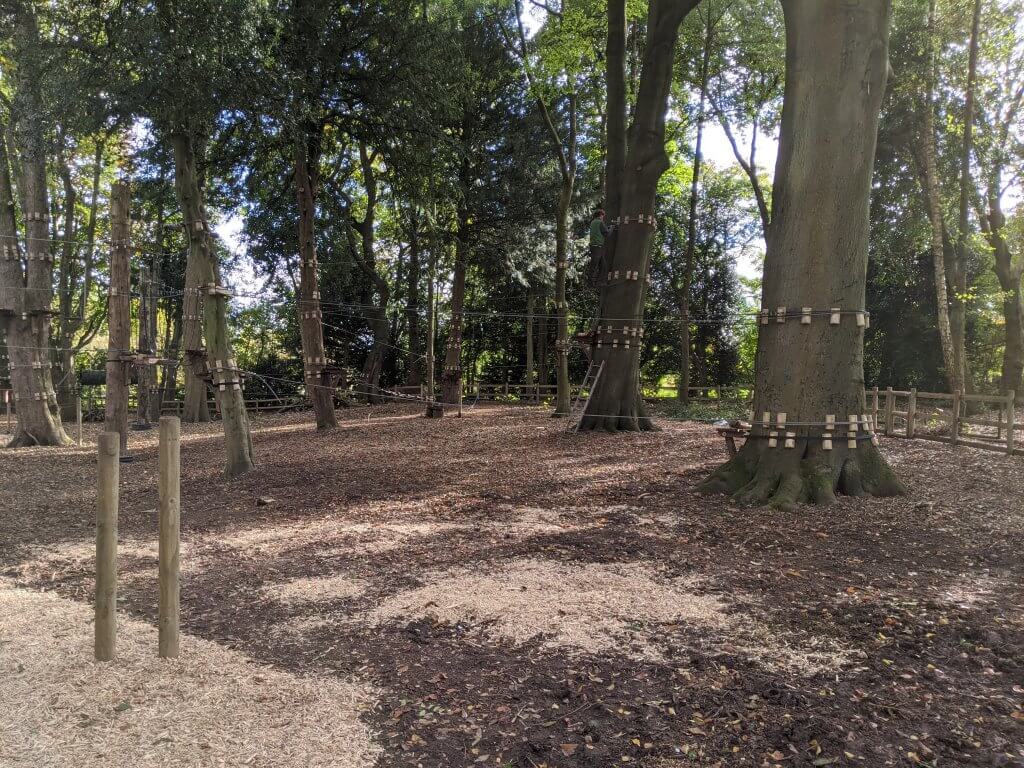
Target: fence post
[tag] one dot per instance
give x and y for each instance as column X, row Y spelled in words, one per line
column 890, row 405
column 106, row 545
column 8, row 394
column 118, row 314
column 78, row 416
column 874, row 407
column 912, row 413
column 1010, row 416
column 955, row 421
column 170, row 518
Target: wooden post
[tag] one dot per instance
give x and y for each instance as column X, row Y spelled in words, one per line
column 1010, row 416
column 874, row 407
column 118, row 316
column 107, row 487
column 912, row 413
column 890, row 406
column 170, row 516
column 955, row 420
column 7, row 403
column 78, row 415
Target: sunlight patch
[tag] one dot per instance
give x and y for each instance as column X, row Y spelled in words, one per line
column 213, row 706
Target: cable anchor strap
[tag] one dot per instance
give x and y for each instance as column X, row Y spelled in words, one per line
column 806, row 315
column 639, row 218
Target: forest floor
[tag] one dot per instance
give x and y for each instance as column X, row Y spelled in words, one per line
column 493, row 590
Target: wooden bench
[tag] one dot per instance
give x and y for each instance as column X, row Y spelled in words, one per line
column 735, row 429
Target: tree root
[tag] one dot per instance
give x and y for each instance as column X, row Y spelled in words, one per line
column 25, row 439
column 783, row 478
column 634, row 419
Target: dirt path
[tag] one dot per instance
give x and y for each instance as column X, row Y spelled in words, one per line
column 517, row 596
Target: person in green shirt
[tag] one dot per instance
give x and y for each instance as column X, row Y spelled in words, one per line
column 598, row 233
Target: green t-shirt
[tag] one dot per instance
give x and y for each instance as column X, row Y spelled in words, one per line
column 597, row 230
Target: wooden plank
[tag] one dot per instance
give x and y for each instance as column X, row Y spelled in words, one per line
column 107, row 492
column 955, row 418
column 1010, row 426
column 994, row 399
column 169, row 486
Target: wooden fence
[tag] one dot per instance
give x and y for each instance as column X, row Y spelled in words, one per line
column 978, row 421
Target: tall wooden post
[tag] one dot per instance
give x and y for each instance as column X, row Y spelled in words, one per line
column 107, row 487
column 118, row 316
column 1010, row 425
column 955, row 421
column 78, row 415
column 8, row 394
column 146, row 373
column 912, row 413
column 874, row 407
column 890, row 406
column 170, row 516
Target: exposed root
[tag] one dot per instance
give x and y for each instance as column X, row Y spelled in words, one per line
column 782, row 478
column 632, row 418
column 25, row 439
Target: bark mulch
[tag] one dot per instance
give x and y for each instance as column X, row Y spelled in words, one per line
column 873, row 632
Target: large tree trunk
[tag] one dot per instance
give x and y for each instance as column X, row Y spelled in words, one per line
column 1009, row 272
column 414, row 363
column 220, row 366
column 25, row 296
column 170, row 376
column 195, row 406
column 311, row 329
column 451, row 375
column 615, row 115
column 836, row 62
column 616, row 403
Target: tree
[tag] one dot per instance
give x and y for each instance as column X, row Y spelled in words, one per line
column 26, row 287
column 616, row 403
column 686, row 279
column 836, row 70
column 184, row 51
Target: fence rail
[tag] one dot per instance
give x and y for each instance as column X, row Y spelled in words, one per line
column 956, row 418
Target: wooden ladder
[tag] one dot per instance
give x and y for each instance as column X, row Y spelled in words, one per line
column 577, row 409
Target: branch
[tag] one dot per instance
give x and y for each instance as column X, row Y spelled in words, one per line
column 748, row 166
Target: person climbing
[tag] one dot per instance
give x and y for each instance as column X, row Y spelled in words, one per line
column 598, row 233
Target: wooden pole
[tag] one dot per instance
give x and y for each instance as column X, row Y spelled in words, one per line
column 912, row 413
column 890, row 406
column 118, row 316
column 874, row 407
column 106, row 545
column 955, row 419
column 1010, row 416
column 7, row 405
column 78, row 415
column 170, row 517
